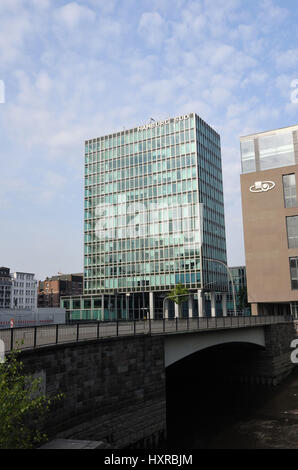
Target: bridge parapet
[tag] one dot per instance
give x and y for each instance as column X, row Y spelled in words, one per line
column 40, row 336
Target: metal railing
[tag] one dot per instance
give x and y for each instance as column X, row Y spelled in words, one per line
column 39, row 336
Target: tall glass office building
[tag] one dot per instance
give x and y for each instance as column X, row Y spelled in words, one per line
column 154, row 218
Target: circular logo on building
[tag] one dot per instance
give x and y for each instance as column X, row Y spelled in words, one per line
column 262, row 186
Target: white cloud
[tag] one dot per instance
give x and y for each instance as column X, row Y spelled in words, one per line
column 72, row 14
column 152, row 28
column 42, row 4
column 287, row 59
column 12, row 36
column 43, row 82
column 270, row 12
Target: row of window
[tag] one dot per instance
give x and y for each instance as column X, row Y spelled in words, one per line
column 135, row 179
column 150, row 281
column 172, row 126
column 290, row 200
column 135, row 135
column 150, row 163
column 21, row 292
column 171, row 253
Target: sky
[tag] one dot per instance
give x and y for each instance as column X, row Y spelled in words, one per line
column 74, row 70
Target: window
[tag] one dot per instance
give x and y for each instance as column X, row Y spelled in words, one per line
column 294, row 309
column 248, row 156
column 289, row 183
column 294, row 272
column 276, row 150
column 292, row 228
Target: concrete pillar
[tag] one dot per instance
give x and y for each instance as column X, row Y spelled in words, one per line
column 254, row 309
column 190, row 306
column 200, row 303
column 166, row 308
column 151, row 305
column 127, row 306
column 224, row 304
column 176, row 311
column 213, row 304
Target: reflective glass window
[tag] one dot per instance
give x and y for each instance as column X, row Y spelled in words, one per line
column 292, row 228
column 294, row 272
column 289, row 184
column 276, row 150
column 248, row 156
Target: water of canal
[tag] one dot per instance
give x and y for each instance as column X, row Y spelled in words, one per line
column 213, row 415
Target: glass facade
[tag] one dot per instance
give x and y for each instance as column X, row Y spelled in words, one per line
column 240, row 285
column 146, row 192
column 267, row 151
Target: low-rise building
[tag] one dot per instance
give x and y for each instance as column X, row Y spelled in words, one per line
column 51, row 289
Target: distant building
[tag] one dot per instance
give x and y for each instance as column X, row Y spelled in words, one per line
column 5, row 288
column 240, row 285
column 51, row 289
column 24, row 290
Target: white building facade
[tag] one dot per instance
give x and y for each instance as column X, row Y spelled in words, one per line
column 24, row 291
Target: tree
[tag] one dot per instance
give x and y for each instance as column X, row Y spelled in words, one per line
column 179, row 295
column 242, row 296
column 22, row 406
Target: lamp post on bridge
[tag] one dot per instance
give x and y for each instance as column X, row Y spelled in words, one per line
column 231, row 278
column 167, row 298
column 208, row 283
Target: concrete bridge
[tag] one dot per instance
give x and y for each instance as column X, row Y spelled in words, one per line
column 113, row 375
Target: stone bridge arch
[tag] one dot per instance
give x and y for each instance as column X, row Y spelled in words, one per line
column 180, row 346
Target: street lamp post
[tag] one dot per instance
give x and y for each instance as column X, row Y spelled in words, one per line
column 127, row 305
column 231, row 278
column 166, row 298
column 182, row 295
